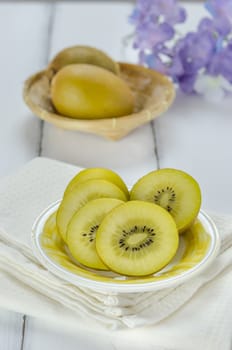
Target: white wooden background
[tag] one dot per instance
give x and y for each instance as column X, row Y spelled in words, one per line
column 194, row 135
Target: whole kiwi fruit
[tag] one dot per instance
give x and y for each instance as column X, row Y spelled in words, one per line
column 85, row 91
column 83, row 54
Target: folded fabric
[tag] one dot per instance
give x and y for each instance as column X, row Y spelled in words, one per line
column 23, row 197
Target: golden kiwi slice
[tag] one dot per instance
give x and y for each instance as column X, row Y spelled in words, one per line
column 82, row 230
column 83, row 54
column 81, row 194
column 172, row 189
column 97, row 173
column 137, row 238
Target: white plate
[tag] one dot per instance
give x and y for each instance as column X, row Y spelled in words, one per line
column 197, row 249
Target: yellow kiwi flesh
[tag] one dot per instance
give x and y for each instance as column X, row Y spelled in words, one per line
column 83, row 54
column 89, row 92
column 137, row 238
column 174, row 190
column 97, row 173
column 81, row 194
column 82, row 230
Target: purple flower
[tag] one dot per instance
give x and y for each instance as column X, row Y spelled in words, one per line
column 191, row 54
column 169, row 10
column 142, row 13
column 154, row 21
column 221, row 63
column 155, row 10
column 187, row 81
column 153, row 61
column 195, row 50
column 175, row 68
column 220, row 9
column 150, row 35
column 207, row 51
column 217, row 26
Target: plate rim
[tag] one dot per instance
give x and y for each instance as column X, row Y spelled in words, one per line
column 85, row 282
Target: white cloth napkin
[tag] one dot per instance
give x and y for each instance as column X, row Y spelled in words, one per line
column 28, row 287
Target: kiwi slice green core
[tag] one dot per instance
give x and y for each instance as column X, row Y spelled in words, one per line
column 172, row 189
column 80, row 195
column 82, row 230
column 137, row 238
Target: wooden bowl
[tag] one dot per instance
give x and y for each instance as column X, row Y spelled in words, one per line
column 154, row 93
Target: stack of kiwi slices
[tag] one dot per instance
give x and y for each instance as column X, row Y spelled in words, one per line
column 133, row 233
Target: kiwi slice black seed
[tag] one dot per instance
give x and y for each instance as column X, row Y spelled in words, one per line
column 137, row 238
column 174, row 190
column 80, row 195
column 82, row 230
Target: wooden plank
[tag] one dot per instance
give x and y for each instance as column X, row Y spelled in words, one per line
column 10, row 330
column 23, row 38
column 132, row 156
column 99, row 24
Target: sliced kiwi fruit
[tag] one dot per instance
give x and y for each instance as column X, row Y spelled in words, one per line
column 97, row 173
column 81, row 194
column 172, row 189
column 83, row 54
column 137, row 238
column 82, row 230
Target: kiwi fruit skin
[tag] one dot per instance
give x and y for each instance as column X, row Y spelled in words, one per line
column 85, row 91
column 83, row 54
column 184, row 191
column 157, row 234
column 97, row 173
column 82, row 229
column 80, row 195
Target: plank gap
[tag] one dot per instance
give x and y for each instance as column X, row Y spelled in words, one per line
column 156, row 149
column 24, row 322
column 51, row 19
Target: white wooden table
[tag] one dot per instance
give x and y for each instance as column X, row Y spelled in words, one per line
column 194, row 135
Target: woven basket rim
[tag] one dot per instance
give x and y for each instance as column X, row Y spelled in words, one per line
column 133, row 120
